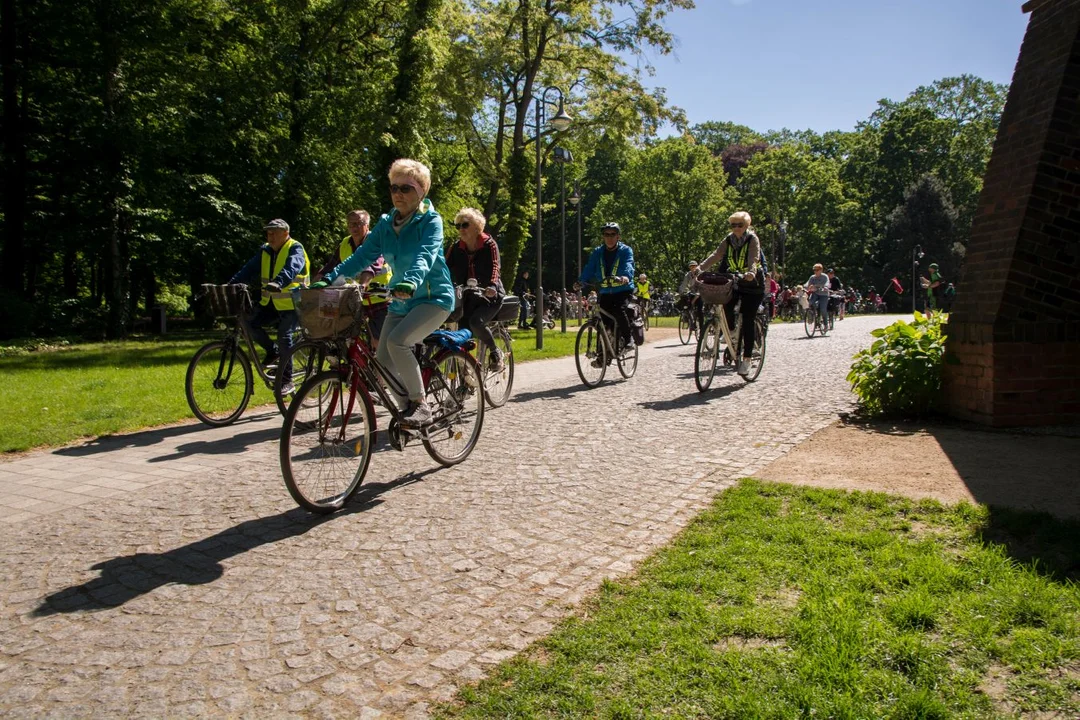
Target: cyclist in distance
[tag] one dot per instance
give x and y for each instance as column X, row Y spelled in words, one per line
column 817, row 287
column 410, row 238
column 836, row 303
column 740, row 254
column 378, row 272
column 280, row 266
column 611, row 266
column 643, row 293
column 475, row 256
column 686, row 290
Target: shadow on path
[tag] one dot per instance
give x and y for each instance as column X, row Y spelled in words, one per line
column 559, row 393
column 129, row 576
column 146, row 438
column 222, row 446
column 691, row 399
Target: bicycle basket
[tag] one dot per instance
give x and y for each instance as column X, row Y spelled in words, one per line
column 509, row 310
column 330, row 312
column 714, row 288
column 226, row 301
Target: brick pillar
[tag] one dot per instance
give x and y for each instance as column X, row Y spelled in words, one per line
column 1015, row 325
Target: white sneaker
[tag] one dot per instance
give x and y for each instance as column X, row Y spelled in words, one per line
column 288, row 389
column 417, row 414
column 744, row 367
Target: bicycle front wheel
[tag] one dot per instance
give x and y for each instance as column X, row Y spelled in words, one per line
column 218, row 383
column 684, row 330
column 497, row 385
column 627, row 360
column 455, row 394
column 326, row 442
column 757, row 359
column 308, row 359
column 708, row 348
column 589, row 355
column 809, row 320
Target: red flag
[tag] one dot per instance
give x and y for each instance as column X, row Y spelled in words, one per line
column 897, row 287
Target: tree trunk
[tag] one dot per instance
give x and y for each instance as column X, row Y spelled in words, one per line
column 14, row 164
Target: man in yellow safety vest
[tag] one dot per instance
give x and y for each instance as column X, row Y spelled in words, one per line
column 281, row 265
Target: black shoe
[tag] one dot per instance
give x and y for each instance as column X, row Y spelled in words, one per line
column 271, row 358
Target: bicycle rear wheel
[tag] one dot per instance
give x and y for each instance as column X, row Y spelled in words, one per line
column 757, row 359
column 308, row 359
column 589, row 354
column 455, row 393
column 218, row 383
column 708, row 349
column 497, row 385
column 627, row 360
column 325, row 445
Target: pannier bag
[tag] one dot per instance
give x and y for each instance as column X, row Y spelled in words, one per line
column 637, row 324
column 714, row 288
column 226, row 301
column 330, row 312
column 509, row 310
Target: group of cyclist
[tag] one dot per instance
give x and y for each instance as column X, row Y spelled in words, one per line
column 404, row 252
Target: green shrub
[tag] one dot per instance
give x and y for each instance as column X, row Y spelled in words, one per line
column 900, row 374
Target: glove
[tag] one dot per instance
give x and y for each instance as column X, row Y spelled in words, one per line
column 404, row 288
column 320, row 284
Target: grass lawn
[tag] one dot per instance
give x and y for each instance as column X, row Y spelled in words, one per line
column 795, row 603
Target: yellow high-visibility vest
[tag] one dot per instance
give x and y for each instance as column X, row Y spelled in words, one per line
column 345, row 249
column 643, row 290
column 279, row 265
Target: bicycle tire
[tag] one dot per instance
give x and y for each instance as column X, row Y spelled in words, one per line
column 685, row 333
column 308, row 359
column 590, row 354
column 457, row 408
column 705, row 356
column 325, row 445
column 218, row 401
column 809, row 322
column 757, row 359
column 497, row 386
column 626, row 367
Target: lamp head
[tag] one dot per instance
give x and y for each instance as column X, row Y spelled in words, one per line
column 562, row 120
column 575, row 198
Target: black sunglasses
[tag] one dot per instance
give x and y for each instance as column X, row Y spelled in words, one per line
column 737, row 224
column 610, row 233
column 461, row 226
column 403, row 189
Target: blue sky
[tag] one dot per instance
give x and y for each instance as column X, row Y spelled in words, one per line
column 824, row 64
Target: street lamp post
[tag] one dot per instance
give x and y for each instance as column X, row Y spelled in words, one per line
column 916, row 256
column 560, row 122
column 563, row 156
column 575, row 200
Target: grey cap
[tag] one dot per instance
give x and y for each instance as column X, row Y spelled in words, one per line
column 276, row 224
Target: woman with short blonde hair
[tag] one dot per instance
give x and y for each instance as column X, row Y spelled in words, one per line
column 414, row 170
column 475, row 256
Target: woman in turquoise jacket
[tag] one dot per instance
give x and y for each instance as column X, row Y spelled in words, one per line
column 410, row 238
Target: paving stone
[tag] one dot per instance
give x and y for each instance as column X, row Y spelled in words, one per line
column 197, row 588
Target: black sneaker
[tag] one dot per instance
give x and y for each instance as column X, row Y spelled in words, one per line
column 270, row 358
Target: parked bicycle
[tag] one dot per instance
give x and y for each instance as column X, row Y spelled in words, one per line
column 219, row 382
column 595, row 348
column 716, row 329
column 687, row 319
column 330, row 427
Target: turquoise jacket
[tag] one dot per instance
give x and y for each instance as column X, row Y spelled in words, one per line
column 596, row 272
column 415, row 255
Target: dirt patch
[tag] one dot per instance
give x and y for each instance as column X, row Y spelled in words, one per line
column 660, row 333
column 946, row 462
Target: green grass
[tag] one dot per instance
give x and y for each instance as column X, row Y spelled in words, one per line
column 796, row 603
column 97, row 389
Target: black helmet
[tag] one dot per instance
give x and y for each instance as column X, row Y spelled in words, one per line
column 611, row 226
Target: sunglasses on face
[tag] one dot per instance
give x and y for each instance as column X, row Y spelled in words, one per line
column 610, row 234
column 461, row 225
column 402, row 189
column 737, row 225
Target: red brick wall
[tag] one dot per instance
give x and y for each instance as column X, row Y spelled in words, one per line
column 1014, row 334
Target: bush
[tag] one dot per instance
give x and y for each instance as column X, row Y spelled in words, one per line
column 900, row 374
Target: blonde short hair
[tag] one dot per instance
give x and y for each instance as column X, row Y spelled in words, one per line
column 742, row 216
column 414, row 170
column 819, row 266
column 472, row 215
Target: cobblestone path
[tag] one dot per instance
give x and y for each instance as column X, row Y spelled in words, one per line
column 205, row 592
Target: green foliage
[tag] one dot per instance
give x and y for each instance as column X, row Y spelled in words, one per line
column 900, row 373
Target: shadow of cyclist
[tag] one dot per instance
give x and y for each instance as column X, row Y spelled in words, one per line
column 127, row 577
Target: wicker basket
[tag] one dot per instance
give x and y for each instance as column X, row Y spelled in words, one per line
column 331, row 312
column 226, row 301
column 714, row 288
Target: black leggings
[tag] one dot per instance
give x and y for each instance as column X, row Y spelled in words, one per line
column 476, row 315
column 750, row 302
column 615, row 303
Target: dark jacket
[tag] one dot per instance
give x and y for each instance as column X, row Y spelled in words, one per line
column 483, row 264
